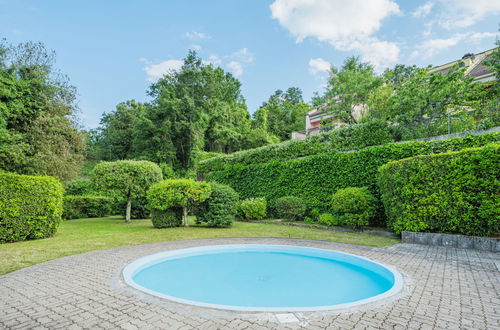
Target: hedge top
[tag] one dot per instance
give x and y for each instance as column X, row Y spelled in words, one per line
column 339, row 140
column 177, row 192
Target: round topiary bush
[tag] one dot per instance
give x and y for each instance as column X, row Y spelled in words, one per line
column 182, row 193
column 354, row 206
column 329, row 219
column 253, row 208
column 168, row 218
column 30, row 206
column 220, row 208
column 291, row 208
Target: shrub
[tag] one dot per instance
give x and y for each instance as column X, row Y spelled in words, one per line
column 354, row 137
column 220, row 208
column 30, row 206
column 80, row 187
column 316, row 178
column 456, row 192
column 315, row 213
column 127, row 180
column 290, row 208
column 86, row 206
column 329, row 219
column 253, row 208
column 310, row 221
column 171, row 217
column 354, row 207
column 181, row 193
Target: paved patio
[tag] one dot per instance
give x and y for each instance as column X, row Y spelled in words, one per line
column 444, row 289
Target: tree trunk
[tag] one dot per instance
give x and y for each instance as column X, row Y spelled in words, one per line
column 129, row 208
column 185, row 215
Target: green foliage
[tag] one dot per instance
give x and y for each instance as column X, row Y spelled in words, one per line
column 354, row 206
column 290, row 208
column 220, row 208
column 177, row 193
column 30, row 206
column 126, row 179
column 86, row 206
column 38, row 134
column 315, row 213
column 329, row 220
column 350, row 87
column 283, row 113
column 316, row 178
column 456, row 192
column 168, row 218
column 353, row 137
column 253, row 208
column 167, row 171
column 79, row 187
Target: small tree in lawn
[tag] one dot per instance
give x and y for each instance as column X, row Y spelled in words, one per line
column 129, row 179
column 178, row 193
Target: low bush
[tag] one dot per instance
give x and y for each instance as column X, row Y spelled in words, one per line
column 455, row 192
column 290, row 208
column 168, row 218
column 30, row 206
column 329, row 219
column 354, row 207
column 253, row 209
column 86, row 206
column 316, row 178
column 220, row 208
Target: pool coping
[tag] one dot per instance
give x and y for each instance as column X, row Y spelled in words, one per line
column 129, row 270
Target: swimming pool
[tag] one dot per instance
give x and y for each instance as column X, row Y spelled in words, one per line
column 263, row 278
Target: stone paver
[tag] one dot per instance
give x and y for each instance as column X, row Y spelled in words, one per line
column 445, row 288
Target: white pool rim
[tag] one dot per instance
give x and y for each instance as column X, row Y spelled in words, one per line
column 137, row 265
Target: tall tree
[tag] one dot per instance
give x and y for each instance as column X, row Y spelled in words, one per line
column 38, row 130
column 349, row 88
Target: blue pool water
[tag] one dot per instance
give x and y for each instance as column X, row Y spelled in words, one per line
column 261, row 277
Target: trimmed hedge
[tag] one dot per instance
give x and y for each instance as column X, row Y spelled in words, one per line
column 30, row 206
column 353, row 137
column 171, row 217
column 455, row 192
column 86, row 206
column 354, row 206
column 291, row 208
column 220, row 208
column 316, row 178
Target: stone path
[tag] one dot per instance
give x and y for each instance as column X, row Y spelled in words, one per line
column 445, row 288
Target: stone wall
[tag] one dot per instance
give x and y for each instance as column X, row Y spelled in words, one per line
column 449, row 240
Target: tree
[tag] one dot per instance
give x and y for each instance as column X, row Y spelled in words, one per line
column 283, row 113
column 350, row 86
column 178, row 193
column 38, row 130
column 128, row 179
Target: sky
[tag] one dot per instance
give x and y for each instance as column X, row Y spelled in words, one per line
column 113, row 50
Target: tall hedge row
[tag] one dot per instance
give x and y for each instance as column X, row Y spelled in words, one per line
column 316, row 178
column 354, row 137
column 30, row 206
column 457, row 192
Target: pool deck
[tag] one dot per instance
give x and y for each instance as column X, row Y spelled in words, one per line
column 444, row 288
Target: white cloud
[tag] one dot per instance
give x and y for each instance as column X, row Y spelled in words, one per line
column 432, row 47
column 197, row 35
column 423, row 10
column 465, row 13
column 156, row 71
column 236, row 68
column 195, row 47
column 346, row 25
column 318, row 65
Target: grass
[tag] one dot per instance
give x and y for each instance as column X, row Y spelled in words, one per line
column 84, row 235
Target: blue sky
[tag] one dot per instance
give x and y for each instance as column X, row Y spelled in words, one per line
column 112, row 50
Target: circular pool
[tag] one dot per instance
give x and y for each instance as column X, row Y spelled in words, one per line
column 263, row 278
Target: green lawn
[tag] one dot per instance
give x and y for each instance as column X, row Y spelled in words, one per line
column 83, row 235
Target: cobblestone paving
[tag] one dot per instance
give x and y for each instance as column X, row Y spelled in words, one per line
column 444, row 289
